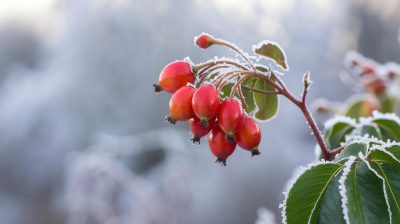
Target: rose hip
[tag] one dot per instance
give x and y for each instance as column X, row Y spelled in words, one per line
column 198, row 130
column 220, row 146
column 249, row 136
column 205, row 103
column 174, row 76
column 180, row 105
column 231, row 117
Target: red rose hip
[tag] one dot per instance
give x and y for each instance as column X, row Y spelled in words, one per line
column 198, row 130
column 180, row 105
column 205, row 103
column 174, row 76
column 230, row 117
column 220, row 146
column 249, row 136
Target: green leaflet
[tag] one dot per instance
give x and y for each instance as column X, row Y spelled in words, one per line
column 336, row 133
column 267, row 104
column 272, row 51
column 248, row 94
column 388, row 168
column 365, row 196
column 308, row 192
column 352, row 149
column 389, row 128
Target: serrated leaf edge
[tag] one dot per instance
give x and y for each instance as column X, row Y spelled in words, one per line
column 384, row 185
column 297, row 174
column 342, row 187
column 340, row 119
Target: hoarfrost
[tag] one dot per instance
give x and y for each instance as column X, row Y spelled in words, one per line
column 390, row 116
column 342, row 187
column 195, row 38
column 383, row 182
column 340, row 119
column 296, row 175
column 266, row 42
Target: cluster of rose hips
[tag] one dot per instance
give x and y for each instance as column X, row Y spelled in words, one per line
column 206, row 111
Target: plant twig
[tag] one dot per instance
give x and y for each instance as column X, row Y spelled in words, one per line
column 237, row 50
column 299, row 103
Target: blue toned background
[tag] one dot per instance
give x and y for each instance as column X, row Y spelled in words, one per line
column 82, row 135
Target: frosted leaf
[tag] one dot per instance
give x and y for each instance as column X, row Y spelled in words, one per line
column 383, row 149
column 383, row 182
column 342, row 187
column 273, row 51
column 340, row 119
column 296, row 175
column 390, row 116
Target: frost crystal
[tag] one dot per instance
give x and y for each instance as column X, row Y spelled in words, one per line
column 383, row 182
column 342, row 187
column 340, row 119
column 390, row 116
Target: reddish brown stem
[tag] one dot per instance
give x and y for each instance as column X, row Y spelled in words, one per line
column 235, row 49
column 301, row 104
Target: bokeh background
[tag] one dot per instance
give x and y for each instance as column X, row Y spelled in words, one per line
column 82, row 135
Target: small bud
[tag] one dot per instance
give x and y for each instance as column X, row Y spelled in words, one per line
column 204, row 40
column 307, row 80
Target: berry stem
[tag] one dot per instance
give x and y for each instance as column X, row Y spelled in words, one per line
column 204, row 75
column 235, row 49
column 259, row 90
column 301, row 104
column 207, row 65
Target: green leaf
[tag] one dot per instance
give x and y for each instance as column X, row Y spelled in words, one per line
column 366, row 201
column 359, row 106
column 371, row 130
column 226, row 90
column 388, row 104
column 248, row 94
column 336, row 134
column 331, row 206
column 272, row 51
column 267, row 104
column 352, row 149
column 261, row 69
column 308, row 192
column 389, row 128
column 395, row 150
column 389, row 169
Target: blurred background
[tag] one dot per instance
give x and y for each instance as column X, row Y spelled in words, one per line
column 82, row 135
